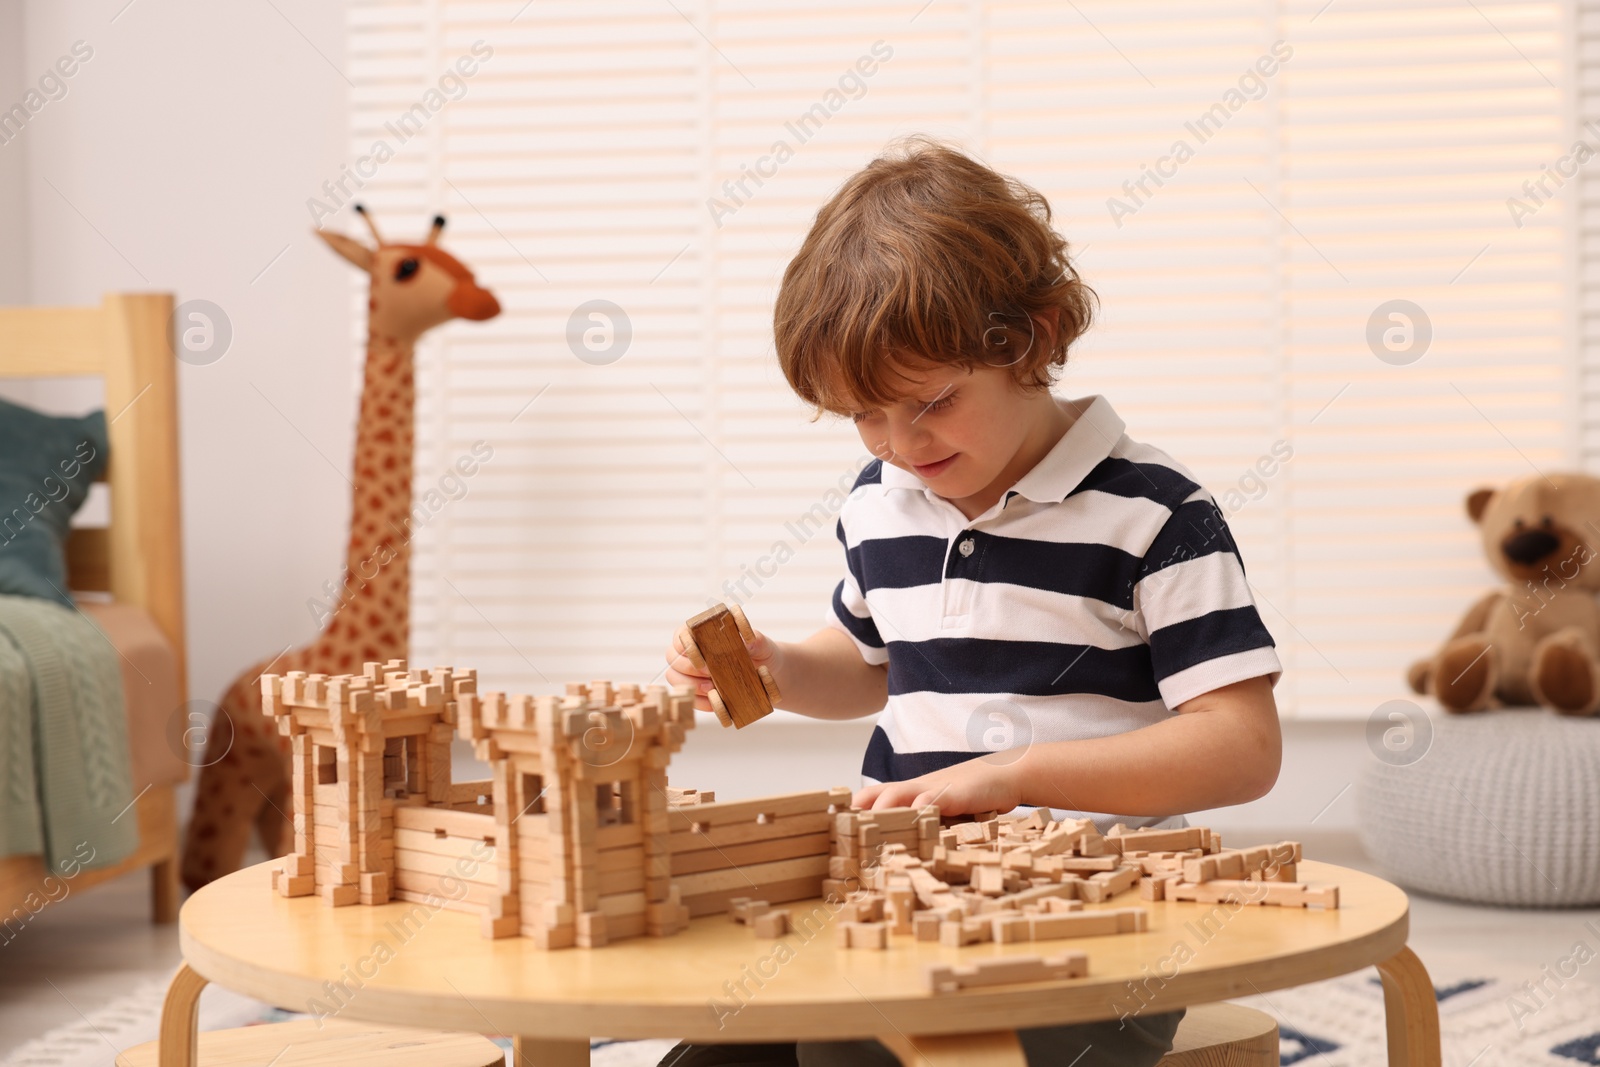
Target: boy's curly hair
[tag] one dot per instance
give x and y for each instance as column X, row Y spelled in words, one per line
column 925, row 255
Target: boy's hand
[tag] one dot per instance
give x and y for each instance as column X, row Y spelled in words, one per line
column 977, row 785
column 685, row 667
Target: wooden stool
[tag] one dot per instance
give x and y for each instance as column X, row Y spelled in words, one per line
column 1224, row 1035
column 301, row 1043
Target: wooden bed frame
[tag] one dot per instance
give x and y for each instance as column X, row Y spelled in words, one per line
column 138, row 557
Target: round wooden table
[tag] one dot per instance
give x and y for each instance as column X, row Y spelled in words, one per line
column 407, row 964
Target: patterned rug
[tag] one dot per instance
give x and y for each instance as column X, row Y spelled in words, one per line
column 1490, row 1017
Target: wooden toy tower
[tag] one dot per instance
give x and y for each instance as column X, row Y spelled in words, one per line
column 580, row 790
column 361, row 746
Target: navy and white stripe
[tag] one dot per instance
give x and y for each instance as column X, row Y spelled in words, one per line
column 1103, row 590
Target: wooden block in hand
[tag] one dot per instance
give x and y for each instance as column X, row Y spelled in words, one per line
column 740, row 694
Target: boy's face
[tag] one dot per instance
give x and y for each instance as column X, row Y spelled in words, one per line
column 958, row 429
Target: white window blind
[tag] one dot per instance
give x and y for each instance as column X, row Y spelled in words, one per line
column 599, row 154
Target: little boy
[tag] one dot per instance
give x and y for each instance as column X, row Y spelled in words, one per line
column 1046, row 612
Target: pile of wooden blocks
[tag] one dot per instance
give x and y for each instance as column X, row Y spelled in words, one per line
column 860, row 838
column 996, row 878
column 362, row 748
column 1016, row 877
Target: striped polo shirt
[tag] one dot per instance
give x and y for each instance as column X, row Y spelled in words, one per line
column 1101, row 591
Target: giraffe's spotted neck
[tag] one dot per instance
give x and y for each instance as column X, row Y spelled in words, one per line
column 371, row 618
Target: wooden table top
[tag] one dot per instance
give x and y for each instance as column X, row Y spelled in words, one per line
column 398, row 963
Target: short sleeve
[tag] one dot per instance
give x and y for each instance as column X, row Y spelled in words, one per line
column 849, row 611
column 1192, row 604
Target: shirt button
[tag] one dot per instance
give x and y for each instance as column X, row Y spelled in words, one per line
column 966, row 547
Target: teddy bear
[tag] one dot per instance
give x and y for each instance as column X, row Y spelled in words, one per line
column 1535, row 640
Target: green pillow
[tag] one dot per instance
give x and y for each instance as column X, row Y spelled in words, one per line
column 47, row 465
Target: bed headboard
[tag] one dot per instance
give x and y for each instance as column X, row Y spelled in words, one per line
column 138, row 557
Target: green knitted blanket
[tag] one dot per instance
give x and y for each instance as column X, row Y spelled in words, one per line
column 65, row 776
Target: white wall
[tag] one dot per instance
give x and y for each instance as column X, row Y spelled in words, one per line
column 180, row 159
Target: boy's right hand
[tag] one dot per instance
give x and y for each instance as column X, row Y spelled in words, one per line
column 685, row 667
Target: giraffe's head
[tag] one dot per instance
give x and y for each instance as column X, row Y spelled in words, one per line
column 413, row 288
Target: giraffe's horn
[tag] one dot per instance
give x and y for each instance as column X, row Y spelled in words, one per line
column 433, row 233
column 373, row 226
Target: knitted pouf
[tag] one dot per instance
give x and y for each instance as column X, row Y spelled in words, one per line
column 1503, row 807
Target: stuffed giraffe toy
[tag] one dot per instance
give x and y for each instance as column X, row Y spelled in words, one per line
column 245, row 785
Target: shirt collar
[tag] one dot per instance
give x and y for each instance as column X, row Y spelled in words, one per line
column 1090, row 439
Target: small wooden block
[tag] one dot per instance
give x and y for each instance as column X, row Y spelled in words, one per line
column 988, row 880
column 298, row 885
column 1006, row 929
column 925, row 926
column 375, row 884
column 1281, row 894
column 773, row 923
column 505, row 926
column 591, row 930
column 868, row 907
column 1089, row 923
column 955, row 933
column 864, row 935
column 746, row 911
column 902, row 906
column 341, row 895
column 1108, row 884
column 944, row 978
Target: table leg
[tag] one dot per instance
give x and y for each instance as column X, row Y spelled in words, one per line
column 997, row 1048
column 545, row 1052
column 1412, row 1011
column 178, row 1043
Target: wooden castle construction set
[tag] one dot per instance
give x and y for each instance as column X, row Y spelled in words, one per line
column 577, row 839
